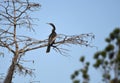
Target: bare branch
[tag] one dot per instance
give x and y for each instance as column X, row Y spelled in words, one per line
column 82, row 39
column 23, row 70
column 2, row 44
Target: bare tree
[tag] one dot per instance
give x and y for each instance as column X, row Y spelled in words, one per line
column 14, row 14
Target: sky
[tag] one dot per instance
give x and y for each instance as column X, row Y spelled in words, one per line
column 71, row 17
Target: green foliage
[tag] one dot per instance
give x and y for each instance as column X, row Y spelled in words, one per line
column 96, row 56
column 83, row 71
column 72, row 76
column 106, row 63
column 85, row 76
column 106, row 76
column 118, row 56
column 76, row 73
column 110, row 55
column 76, row 81
column 82, row 59
column 108, row 60
column 112, row 37
column 98, row 63
column 115, row 34
column 87, row 63
column 115, row 81
column 118, row 42
column 110, row 47
column 103, row 54
column 108, row 40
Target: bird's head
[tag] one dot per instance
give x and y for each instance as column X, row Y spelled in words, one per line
column 52, row 25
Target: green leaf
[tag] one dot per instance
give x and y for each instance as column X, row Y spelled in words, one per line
column 108, row 40
column 112, row 62
column 76, row 81
column 85, row 76
column 103, row 54
column 82, row 59
column 84, row 71
column 99, row 61
column 87, row 63
column 106, row 62
column 76, row 73
column 116, row 31
column 110, row 47
column 111, row 55
column 96, row 55
column 118, row 42
column 72, row 76
column 112, row 36
column 96, row 65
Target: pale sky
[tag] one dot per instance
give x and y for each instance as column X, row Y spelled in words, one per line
column 71, row 17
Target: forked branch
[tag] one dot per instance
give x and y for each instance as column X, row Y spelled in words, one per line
column 82, row 39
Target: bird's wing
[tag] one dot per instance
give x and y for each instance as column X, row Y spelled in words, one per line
column 52, row 38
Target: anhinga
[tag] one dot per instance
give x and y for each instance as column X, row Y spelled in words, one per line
column 52, row 37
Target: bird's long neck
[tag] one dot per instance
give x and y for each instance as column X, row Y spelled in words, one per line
column 53, row 28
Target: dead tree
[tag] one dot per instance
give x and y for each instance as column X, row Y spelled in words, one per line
column 14, row 14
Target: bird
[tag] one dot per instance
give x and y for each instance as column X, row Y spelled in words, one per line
column 52, row 37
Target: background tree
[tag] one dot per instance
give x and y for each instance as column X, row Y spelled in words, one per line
column 14, row 16
column 108, row 60
column 83, row 71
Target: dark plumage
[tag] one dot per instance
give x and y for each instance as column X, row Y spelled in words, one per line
column 52, row 37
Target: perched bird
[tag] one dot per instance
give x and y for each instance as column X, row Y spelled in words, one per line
column 52, row 37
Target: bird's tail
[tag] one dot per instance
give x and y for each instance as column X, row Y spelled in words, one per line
column 48, row 49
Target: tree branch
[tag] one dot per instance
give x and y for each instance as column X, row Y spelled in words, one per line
column 61, row 40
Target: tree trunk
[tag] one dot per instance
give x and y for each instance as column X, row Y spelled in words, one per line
column 11, row 70
column 10, row 73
